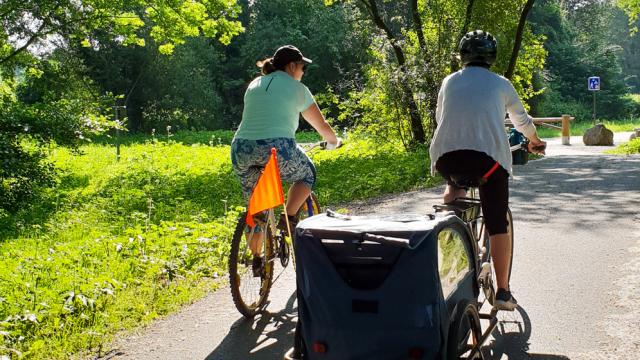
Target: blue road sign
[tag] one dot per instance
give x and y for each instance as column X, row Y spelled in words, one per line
column 594, row 83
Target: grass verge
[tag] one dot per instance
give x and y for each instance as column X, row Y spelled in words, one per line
column 632, row 147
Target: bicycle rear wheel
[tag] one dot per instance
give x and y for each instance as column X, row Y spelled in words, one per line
column 250, row 292
column 490, row 286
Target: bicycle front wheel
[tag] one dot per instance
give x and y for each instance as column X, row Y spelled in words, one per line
column 250, row 284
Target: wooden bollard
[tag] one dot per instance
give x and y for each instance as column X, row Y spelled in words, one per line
column 566, row 136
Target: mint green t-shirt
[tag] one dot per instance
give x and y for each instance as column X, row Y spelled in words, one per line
column 272, row 107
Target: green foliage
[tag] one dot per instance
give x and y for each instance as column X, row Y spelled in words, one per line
column 120, row 243
column 632, row 147
column 380, row 105
column 202, row 85
column 632, row 8
column 41, row 108
column 579, row 47
column 168, row 23
column 71, row 289
column 622, row 33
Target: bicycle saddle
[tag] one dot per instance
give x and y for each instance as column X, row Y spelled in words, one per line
column 467, row 181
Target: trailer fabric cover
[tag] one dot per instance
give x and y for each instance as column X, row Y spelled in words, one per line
column 368, row 287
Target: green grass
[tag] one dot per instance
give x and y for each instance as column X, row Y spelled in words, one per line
column 118, row 244
column 577, row 128
column 632, row 147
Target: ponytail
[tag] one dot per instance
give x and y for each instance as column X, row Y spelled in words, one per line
column 266, row 65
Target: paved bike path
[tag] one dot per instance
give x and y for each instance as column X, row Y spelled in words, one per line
column 576, row 272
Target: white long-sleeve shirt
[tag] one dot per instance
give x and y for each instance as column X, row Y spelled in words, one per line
column 470, row 114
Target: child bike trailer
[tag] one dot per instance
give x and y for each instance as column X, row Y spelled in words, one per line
column 382, row 287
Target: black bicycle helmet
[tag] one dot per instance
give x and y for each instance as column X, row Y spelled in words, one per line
column 478, row 47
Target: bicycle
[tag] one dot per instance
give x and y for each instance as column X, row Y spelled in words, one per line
column 250, row 293
column 469, row 210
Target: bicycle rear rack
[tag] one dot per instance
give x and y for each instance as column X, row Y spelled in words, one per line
column 466, row 209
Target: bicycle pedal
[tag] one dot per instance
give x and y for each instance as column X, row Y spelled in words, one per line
column 485, row 269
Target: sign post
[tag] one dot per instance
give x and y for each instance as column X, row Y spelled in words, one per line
column 118, row 123
column 593, row 85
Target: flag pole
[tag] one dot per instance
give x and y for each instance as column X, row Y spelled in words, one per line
column 286, row 219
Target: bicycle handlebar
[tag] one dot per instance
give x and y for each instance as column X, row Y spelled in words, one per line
column 525, row 145
column 321, row 144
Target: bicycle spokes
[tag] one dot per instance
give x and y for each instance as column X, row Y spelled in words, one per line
column 284, row 250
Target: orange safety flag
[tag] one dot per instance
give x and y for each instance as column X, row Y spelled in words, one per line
column 268, row 191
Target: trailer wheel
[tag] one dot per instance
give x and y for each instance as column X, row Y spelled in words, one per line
column 465, row 332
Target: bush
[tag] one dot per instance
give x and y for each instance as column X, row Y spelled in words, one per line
column 633, row 101
column 552, row 103
column 632, row 147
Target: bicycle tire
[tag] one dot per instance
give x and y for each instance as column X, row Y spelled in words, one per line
column 310, row 207
column 249, row 296
column 466, row 325
column 311, row 202
column 490, row 290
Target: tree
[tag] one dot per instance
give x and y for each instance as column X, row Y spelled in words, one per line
column 620, row 32
column 52, row 104
column 518, row 40
column 578, row 47
column 331, row 36
column 380, row 19
column 422, row 38
column 168, row 22
column 632, row 8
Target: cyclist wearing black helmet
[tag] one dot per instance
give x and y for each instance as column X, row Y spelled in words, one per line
column 470, row 140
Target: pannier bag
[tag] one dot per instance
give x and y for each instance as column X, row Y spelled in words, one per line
column 369, row 287
column 520, row 156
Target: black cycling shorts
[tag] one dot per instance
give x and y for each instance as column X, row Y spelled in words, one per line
column 494, row 194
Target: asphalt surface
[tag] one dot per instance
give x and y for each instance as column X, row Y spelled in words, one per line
column 576, row 272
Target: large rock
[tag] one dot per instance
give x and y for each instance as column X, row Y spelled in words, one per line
column 635, row 134
column 598, row 135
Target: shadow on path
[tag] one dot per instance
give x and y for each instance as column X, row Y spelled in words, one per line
column 266, row 337
column 584, row 185
column 511, row 336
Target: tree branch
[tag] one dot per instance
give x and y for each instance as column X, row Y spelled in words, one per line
column 377, row 19
column 34, row 36
column 518, row 40
column 465, row 28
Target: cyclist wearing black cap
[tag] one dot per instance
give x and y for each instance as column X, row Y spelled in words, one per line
column 470, row 139
column 273, row 103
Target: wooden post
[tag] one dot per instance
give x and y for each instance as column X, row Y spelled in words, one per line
column 566, row 136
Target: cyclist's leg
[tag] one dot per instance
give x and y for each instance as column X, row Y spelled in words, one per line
column 500, row 252
column 296, row 168
column 298, row 194
column 248, row 158
column 495, row 197
column 452, row 192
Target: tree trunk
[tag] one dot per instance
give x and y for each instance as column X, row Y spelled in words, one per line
column 518, row 40
column 455, row 65
column 417, row 129
column 417, row 24
column 431, row 95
